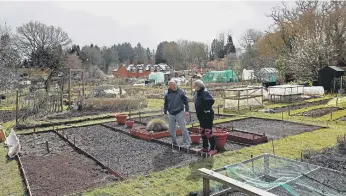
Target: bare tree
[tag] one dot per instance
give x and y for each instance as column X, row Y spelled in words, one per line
column 9, row 59
column 35, row 35
column 44, row 46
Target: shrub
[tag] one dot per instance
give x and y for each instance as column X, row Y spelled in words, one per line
column 116, row 104
column 157, row 125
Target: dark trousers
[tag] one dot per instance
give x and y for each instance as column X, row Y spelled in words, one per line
column 206, row 122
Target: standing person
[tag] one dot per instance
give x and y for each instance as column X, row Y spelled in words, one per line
column 175, row 100
column 204, row 102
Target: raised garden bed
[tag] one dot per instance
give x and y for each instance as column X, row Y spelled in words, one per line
column 145, row 135
column 7, row 115
column 127, row 155
column 246, row 138
column 228, row 146
column 315, row 113
column 190, row 119
column 299, row 106
column 271, row 128
column 63, row 170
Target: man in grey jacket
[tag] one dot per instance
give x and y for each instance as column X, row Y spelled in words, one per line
column 175, row 100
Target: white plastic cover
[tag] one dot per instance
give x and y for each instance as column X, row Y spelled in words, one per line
column 12, row 142
column 295, row 89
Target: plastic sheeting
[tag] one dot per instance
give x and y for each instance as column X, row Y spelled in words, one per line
column 295, row 89
column 12, row 142
column 220, row 76
column 248, row 74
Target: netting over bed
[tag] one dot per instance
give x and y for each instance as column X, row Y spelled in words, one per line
column 287, row 177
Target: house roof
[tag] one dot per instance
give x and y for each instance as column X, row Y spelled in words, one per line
column 336, row 68
column 268, row 70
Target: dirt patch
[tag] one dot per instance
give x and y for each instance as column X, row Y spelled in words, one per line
column 7, row 115
column 329, row 158
column 343, row 118
column 299, row 106
column 271, row 128
column 315, row 113
column 63, row 170
column 74, row 113
column 190, row 119
column 127, row 155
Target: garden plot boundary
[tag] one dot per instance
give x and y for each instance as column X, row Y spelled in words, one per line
column 176, row 147
column 76, row 148
column 270, row 119
column 67, row 122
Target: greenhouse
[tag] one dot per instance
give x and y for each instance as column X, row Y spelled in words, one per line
column 157, row 77
column 267, row 75
column 220, row 76
column 273, row 175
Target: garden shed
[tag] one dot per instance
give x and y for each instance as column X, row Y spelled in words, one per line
column 267, row 75
column 328, row 76
column 220, row 76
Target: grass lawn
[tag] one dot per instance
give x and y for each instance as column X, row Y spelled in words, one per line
column 10, row 180
column 181, row 181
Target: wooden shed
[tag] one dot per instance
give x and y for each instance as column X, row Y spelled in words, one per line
column 328, row 76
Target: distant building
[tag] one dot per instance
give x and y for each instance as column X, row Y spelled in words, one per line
column 139, row 71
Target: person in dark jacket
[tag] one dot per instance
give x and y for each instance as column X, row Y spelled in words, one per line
column 175, row 100
column 204, row 102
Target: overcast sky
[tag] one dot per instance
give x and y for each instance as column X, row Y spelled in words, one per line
column 108, row 23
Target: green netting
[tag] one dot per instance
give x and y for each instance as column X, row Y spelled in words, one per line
column 287, row 177
column 220, row 76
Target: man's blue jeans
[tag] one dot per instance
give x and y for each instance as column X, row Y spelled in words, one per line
column 180, row 119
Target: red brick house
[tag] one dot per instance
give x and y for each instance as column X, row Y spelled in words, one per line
column 139, row 71
column 131, row 71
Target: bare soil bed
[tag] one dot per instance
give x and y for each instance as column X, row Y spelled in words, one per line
column 60, row 172
column 299, row 106
column 329, row 158
column 315, row 113
column 190, row 119
column 271, row 128
column 127, row 155
column 7, row 115
column 74, row 113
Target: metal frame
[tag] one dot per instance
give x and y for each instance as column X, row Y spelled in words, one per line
column 245, row 188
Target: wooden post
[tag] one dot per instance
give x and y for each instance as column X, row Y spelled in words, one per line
column 17, row 109
column 238, row 99
column 83, row 90
column 47, row 146
column 218, row 109
column 206, row 187
column 120, row 91
column 191, row 86
column 273, row 146
column 331, row 116
column 69, row 88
